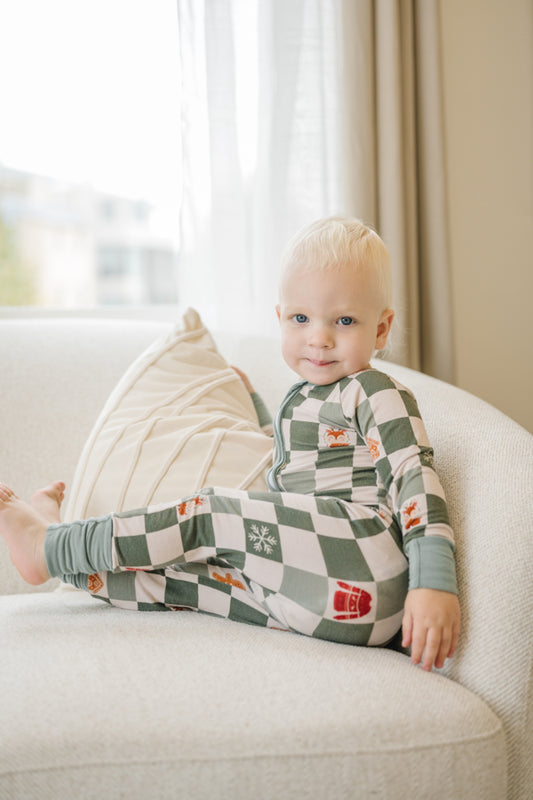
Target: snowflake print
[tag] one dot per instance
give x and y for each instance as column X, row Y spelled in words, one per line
column 263, row 541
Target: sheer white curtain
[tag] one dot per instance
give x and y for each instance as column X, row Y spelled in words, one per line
column 297, row 109
column 263, row 146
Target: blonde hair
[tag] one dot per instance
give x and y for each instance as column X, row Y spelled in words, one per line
column 337, row 242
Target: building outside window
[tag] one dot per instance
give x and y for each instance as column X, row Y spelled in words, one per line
column 89, row 153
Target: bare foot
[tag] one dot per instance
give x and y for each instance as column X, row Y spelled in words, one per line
column 47, row 501
column 24, row 530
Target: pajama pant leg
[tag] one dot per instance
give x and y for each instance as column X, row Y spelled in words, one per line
column 314, row 565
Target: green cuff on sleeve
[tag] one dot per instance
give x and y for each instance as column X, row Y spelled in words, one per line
column 263, row 414
column 431, row 564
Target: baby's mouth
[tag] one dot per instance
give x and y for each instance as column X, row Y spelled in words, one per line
column 318, row 363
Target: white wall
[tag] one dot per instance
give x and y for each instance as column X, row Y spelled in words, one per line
column 488, row 96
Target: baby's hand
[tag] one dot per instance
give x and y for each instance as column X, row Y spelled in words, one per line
column 431, row 625
column 244, row 378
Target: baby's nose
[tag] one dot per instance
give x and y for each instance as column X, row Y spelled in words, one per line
column 320, row 336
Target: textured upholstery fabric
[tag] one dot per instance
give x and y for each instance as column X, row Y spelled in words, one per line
column 185, row 705
column 281, row 716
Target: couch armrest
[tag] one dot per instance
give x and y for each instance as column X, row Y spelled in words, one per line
column 491, row 499
column 485, row 461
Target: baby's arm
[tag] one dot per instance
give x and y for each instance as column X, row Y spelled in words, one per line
column 393, row 430
column 431, row 625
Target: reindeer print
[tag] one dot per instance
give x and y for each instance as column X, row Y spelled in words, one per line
column 337, row 438
column 228, row 580
column 411, row 515
column 373, row 446
column 188, row 506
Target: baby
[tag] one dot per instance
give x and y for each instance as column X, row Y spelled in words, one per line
column 352, row 541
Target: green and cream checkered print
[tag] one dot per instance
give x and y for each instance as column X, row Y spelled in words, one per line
column 321, row 554
column 362, row 440
column 317, row 566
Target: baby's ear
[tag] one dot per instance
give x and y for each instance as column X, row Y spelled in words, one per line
column 278, row 311
column 384, row 326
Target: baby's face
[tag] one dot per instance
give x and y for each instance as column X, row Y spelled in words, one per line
column 331, row 322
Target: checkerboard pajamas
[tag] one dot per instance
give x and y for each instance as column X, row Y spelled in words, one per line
column 322, row 553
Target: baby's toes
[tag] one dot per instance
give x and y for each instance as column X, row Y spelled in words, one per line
column 5, row 492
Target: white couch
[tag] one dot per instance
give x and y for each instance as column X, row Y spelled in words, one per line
column 101, row 702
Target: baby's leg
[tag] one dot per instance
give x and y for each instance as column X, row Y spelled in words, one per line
column 23, row 527
column 219, row 591
column 316, row 565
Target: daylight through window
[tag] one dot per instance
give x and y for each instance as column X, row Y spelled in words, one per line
column 89, row 153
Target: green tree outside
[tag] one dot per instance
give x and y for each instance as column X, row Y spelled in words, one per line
column 18, row 285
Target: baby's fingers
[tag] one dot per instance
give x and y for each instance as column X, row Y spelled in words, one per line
column 440, row 645
column 418, row 643
column 431, row 625
column 407, row 629
column 455, row 638
column 449, row 646
column 430, row 646
column 437, row 650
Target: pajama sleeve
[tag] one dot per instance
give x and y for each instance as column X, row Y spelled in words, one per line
column 388, row 419
column 263, row 414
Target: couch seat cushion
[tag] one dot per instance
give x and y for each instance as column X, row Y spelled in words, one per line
column 100, row 702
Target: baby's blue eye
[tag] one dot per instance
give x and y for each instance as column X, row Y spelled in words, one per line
column 346, row 320
column 300, row 318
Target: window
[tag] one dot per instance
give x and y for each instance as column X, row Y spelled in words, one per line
column 89, row 152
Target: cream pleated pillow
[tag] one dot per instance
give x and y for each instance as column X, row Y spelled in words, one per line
column 179, row 419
